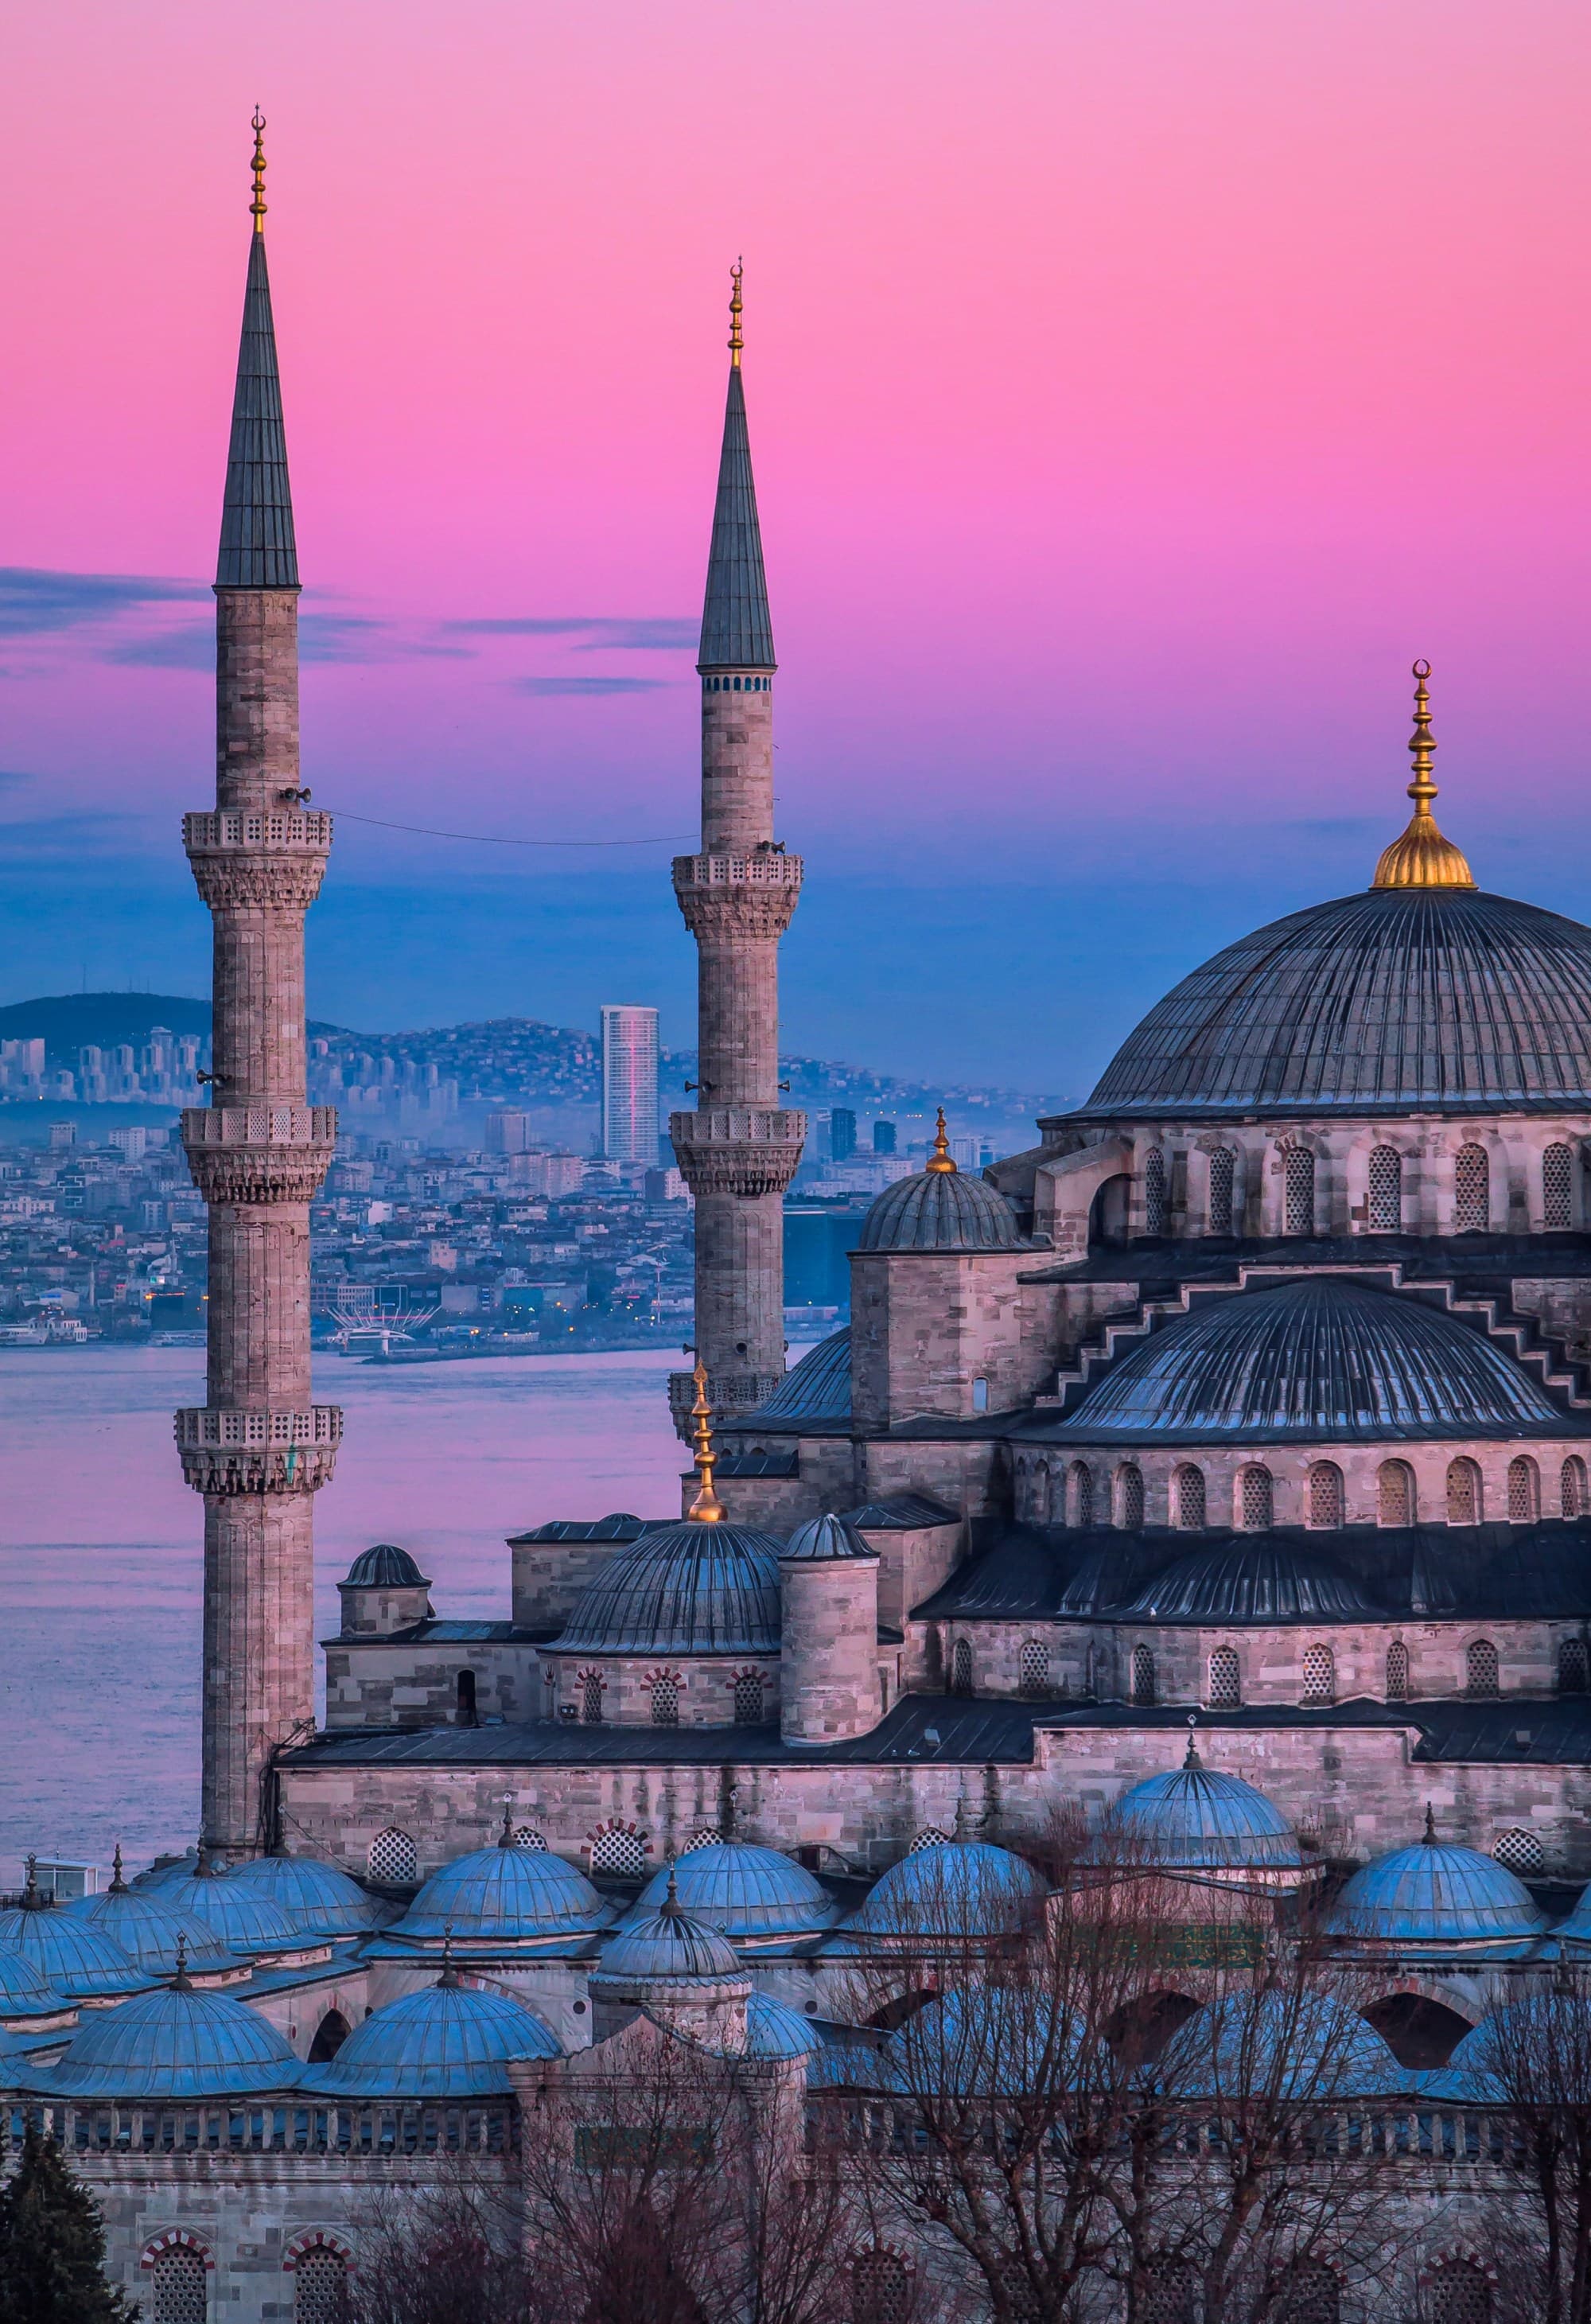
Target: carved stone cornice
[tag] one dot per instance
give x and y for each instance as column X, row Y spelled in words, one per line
column 257, row 1451
column 728, row 896
column 736, row 1150
column 729, row 1394
column 255, row 1154
column 257, row 860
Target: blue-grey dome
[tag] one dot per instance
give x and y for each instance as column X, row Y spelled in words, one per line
column 1196, row 1819
column 78, row 1960
column 384, row 1566
column 694, row 1588
column 243, row 1920
column 1511, row 2051
column 23, row 1992
column 16, row 2068
column 1400, row 1000
column 1294, row 2045
column 447, row 2041
column 317, row 1898
column 1432, row 1894
column 1575, row 1931
column 504, row 1894
column 1254, row 1579
column 144, row 1924
column 775, row 2029
column 821, row 1540
column 745, row 1892
column 939, row 1210
column 981, row 2041
column 954, row 1888
column 173, row 2043
column 817, row 1388
column 667, row 1944
column 1325, row 1358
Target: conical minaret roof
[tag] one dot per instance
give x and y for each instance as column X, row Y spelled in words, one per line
column 258, row 550
column 737, row 633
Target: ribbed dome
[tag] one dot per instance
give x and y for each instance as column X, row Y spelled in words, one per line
column 1294, row 2045
column 245, row 1921
column 1196, row 1819
column 144, row 1924
column 816, row 1388
column 174, row 2043
column 775, row 2029
column 1434, row 1894
column 822, row 1540
column 954, row 1888
column 318, row 1899
column 668, row 1944
column 1324, row 1357
column 70, row 1954
column 23, row 1992
column 982, row 2042
column 384, row 1566
column 505, row 1894
column 1576, row 1929
column 745, row 1892
column 1400, row 998
column 1261, row 1580
column 447, row 2041
column 686, row 1589
column 939, row 1210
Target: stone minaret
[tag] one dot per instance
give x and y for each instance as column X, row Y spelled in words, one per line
column 258, row 1448
column 738, row 1152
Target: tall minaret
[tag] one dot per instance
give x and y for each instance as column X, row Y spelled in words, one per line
column 258, row 1448
column 738, row 1152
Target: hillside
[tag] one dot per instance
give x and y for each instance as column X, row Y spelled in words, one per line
column 70, row 1021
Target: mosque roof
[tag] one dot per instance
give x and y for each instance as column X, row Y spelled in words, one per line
column 447, row 2041
column 775, row 2029
column 78, row 1960
column 175, row 2043
column 695, row 1587
column 317, row 1898
column 1296, row 2044
column 823, row 1541
column 619, row 1527
column 142, row 1922
column 23, row 1991
column 506, row 1893
column 1325, row 1358
column 1250, row 1577
column 667, row 1943
column 384, row 1566
column 1195, row 1817
column 1575, row 1931
column 258, row 550
column 736, row 631
column 951, row 1889
column 815, row 1390
column 940, row 1208
column 1435, row 1894
column 743, row 1891
column 980, row 2042
column 244, row 1919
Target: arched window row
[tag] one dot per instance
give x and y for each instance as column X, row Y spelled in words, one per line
column 1085, row 1496
column 737, row 686
column 619, row 1849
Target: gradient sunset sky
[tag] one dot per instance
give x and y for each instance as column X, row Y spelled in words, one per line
column 1134, row 390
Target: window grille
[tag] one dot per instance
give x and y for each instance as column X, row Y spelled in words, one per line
column 1129, row 1495
column 1472, row 1191
column 320, row 2288
column 1325, row 1493
column 1464, row 1493
column 1459, row 2294
column 1524, row 1492
column 1034, row 1666
column 1255, row 1500
column 620, row 1852
column 928, row 1836
column 1572, row 1486
column 1079, row 1494
column 1319, row 1676
column 1557, row 1181
column 1480, row 1668
column 1226, row 1684
column 1311, row 2293
column 526, row 1836
column 180, row 2294
column 393, row 1855
column 666, row 1702
column 706, row 1835
column 1221, row 1175
column 1574, row 1666
column 1168, row 2296
column 1298, row 1190
column 1397, row 1671
column 749, row 1699
column 1154, row 1193
column 960, row 1667
column 1142, row 1678
column 1521, row 1853
column 1395, row 1493
column 1188, row 1497
column 590, row 1698
column 1385, row 1190
column 1041, row 1494
column 880, row 2289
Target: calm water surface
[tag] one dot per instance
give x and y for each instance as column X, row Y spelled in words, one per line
column 100, row 1547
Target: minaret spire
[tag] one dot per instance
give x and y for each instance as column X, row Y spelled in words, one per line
column 258, row 550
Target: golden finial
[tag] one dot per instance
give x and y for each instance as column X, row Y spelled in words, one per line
column 1420, row 857
column 940, row 1160
column 736, row 307
column 257, row 206
column 706, row 1508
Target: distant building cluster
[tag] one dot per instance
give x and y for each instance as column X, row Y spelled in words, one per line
column 164, row 1070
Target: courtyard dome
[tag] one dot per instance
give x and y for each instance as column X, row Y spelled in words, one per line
column 1431, row 1894
column 1259, row 1579
column 144, row 1924
column 939, row 1209
column 384, row 1566
column 695, row 1587
column 1297, row 2045
column 505, row 1894
column 986, row 2041
column 1196, row 1819
column 23, row 1992
column 69, row 1954
column 321, row 1902
column 447, row 2041
column 1324, row 1358
column 744, row 1891
column 951, row 1889
column 668, row 1944
column 173, row 2043
column 775, row 2029
column 244, row 1921
column 1575, row 1931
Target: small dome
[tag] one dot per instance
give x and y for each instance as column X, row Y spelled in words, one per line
column 695, row 1587
column 1195, row 1819
column 23, row 1992
column 505, row 1894
column 1511, row 2052
column 939, row 1210
column 144, row 1924
column 447, row 2041
column 1321, row 1358
column 1296, row 2045
column 816, row 1388
column 243, row 1920
column 174, row 2043
column 955, row 1889
column 775, row 2029
column 70, row 1954
column 668, row 1945
column 821, row 1540
column 164, row 1875
column 745, row 1892
column 982, row 2042
column 1254, row 1579
column 317, row 1898
column 384, row 1567
column 1431, row 1894
column 1576, row 1929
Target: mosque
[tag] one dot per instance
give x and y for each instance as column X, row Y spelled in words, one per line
column 1255, row 1397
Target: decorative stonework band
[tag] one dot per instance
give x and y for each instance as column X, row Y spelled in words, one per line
column 737, row 895
column 257, row 862
column 257, row 1451
column 736, row 1150
column 243, row 1154
column 728, row 1394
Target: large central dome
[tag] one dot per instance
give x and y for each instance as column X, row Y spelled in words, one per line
column 1396, row 999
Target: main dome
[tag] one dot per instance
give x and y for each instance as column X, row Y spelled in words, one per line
column 1396, row 999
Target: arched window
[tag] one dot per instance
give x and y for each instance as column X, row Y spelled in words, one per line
column 590, row 1698
column 1521, row 1853
column 1221, row 1177
column 1572, row 1487
column 1129, row 1495
column 707, row 1835
column 1472, row 1191
column 880, row 2289
column 1458, row 2293
column 619, row 1849
column 179, row 2284
column 1395, row 1493
column 1168, row 2294
column 330, row 2034
column 466, row 1698
column 392, row 1857
column 1226, row 1683
column 1397, row 1671
column 1041, row 1494
column 1480, row 1668
column 320, row 2287
column 1524, row 1492
column 1298, row 1190
column 749, row 1699
column 1557, row 1205
column 1319, row 1676
column 1154, row 1192
column 961, row 1667
column 1463, row 1492
column 1255, row 1499
column 1033, row 1668
column 1385, row 1191
column 1079, row 1495
column 1325, row 1493
column 928, row 1835
column 526, row 1836
column 1311, row 2294
column 1142, row 1678
column 666, row 1700
column 980, row 1394
column 1188, row 1497
column 1574, row 1666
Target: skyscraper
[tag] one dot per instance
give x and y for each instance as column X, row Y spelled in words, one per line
column 629, row 1086
column 842, row 1134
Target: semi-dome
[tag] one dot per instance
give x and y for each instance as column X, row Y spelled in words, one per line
column 939, row 1209
column 775, row 2029
column 174, row 2043
column 822, row 1540
column 1290, row 2044
column 245, row 1921
column 1400, row 1000
column 142, row 1922
column 320, row 1901
column 1432, row 1894
column 695, row 1587
column 747, row 1893
column 1194, row 1818
column 667, row 1944
column 952, row 1889
column 1324, row 1358
column 1257, row 1578
column 68, row 1953
column 505, row 1894
column 447, row 2041
column 384, row 1566
column 815, row 1390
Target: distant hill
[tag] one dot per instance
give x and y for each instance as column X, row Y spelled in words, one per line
column 70, row 1021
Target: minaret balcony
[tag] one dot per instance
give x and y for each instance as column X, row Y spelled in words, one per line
column 738, row 1149
column 259, row 860
column 254, row 1154
column 737, row 895
column 259, row 1451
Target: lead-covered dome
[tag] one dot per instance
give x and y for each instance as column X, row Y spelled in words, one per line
column 939, row 1210
column 746, row 1893
column 1260, row 1579
column 505, row 1894
column 174, row 2043
column 695, row 1587
column 69, row 1954
column 320, row 1901
column 1195, row 1819
column 447, row 2041
column 145, row 1927
column 1324, row 1357
column 384, row 1566
column 1398, row 1000
column 1431, row 1894
column 950, row 1889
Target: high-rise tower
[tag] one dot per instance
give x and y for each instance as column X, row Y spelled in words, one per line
column 738, row 1152
column 258, row 1448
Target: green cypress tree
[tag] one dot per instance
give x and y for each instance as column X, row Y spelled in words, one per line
column 52, row 2245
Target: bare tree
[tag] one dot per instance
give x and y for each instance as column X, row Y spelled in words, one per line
column 449, row 2253
column 1532, row 2061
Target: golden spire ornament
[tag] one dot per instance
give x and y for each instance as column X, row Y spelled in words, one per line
column 940, row 1161
column 706, row 1508
column 737, row 307
column 1420, row 857
column 257, row 207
